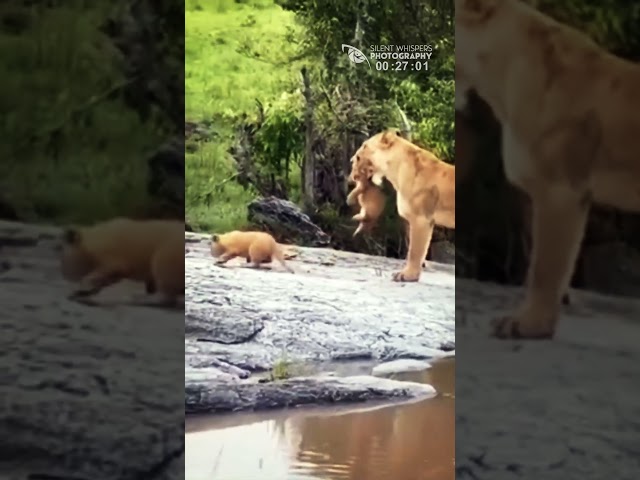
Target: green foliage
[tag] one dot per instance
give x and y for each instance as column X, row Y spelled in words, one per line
column 434, row 127
column 280, row 370
column 284, row 368
column 280, row 143
column 230, row 63
column 73, row 150
column 612, row 23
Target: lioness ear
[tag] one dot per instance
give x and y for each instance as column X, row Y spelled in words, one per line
column 476, row 10
column 215, row 238
column 71, row 236
column 387, row 138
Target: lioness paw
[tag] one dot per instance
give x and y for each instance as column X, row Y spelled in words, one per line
column 522, row 326
column 406, row 275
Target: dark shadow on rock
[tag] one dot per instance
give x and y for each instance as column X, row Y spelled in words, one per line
column 204, row 325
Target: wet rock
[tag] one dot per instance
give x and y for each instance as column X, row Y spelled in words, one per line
column 612, row 268
column 338, row 306
column 286, row 220
column 202, row 365
column 448, row 346
column 399, row 366
column 221, row 396
column 210, row 374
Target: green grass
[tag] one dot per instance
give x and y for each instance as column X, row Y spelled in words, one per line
column 223, row 79
column 75, row 155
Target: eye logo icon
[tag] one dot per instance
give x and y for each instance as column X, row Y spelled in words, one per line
column 355, row 55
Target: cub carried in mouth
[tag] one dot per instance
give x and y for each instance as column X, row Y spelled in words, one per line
column 256, row 247
column 369, row 197
column 149, row 251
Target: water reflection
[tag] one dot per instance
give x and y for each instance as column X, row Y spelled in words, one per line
column 407, row 442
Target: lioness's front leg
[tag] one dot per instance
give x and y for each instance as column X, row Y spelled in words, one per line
column 559, row 219
column 420, row 233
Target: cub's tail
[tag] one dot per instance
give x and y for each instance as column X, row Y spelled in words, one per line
column 279, row 255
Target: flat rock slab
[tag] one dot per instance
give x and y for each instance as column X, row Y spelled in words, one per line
column 564, row 409
column 87, row 392
column 221, row 396
column 337, row 306
column 400, row 366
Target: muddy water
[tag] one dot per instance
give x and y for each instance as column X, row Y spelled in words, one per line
column 413, row 441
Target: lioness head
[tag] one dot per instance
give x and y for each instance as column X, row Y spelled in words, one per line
column 476, row 24
column 75, row 261
column 372, row 159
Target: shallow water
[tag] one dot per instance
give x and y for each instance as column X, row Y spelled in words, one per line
column 414, row 441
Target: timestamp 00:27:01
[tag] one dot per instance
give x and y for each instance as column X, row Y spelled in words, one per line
column 398, row 65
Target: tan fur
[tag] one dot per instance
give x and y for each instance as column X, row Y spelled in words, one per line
column 149, row 251
column 570, row 135
column 256, row 247
column 425, row 189
column 369, row 197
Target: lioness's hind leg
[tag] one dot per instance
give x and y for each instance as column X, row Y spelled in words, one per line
column 559, row 220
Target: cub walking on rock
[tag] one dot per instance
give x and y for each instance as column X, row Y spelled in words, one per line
column 149, row 251
column 256, row 247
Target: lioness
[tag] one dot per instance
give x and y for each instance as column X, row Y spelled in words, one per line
column 425, row 188
column 570, row 135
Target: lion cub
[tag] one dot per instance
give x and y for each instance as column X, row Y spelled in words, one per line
column 369, row 197
column 256, row 247
column 149, row 251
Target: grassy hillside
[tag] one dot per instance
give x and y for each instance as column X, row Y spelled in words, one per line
column 234, row 52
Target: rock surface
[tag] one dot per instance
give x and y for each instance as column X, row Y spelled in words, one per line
column 400, row 366
column 224, row 396
column 337, row 307
column 88, row 392
column 565, row 409
column 287, row 220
